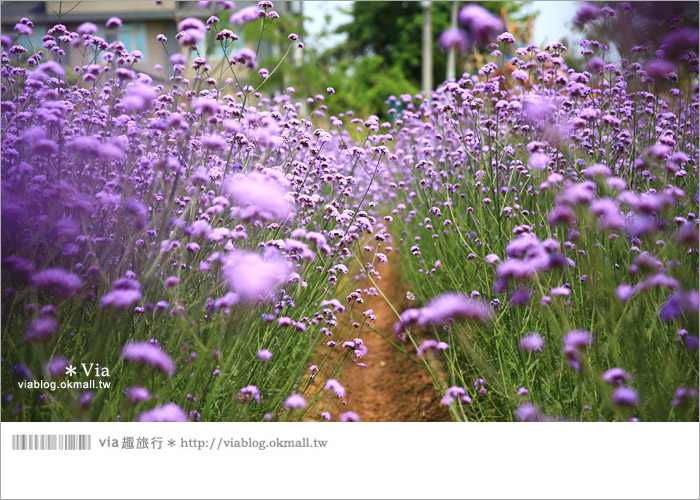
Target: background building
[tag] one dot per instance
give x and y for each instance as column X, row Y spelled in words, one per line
column 142, row 22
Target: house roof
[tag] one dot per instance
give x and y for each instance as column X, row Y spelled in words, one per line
column 97, row 12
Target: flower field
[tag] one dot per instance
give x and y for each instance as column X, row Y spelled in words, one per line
column 218, row 254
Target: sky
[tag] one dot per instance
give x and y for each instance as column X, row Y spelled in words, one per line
column 552, row 23
column 317, row 11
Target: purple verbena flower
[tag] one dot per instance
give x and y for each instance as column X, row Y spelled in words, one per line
column 527, row 412
column 249, row 392
column 169, row 412
column 334, row 385
column 454, row 38
column 149, row 354
column 57, row 281
column 454, row 306
column 295, row 401
column 40, row 329
column 484, row 26
column 349, row 416
column 258, row 195
column 532, row 342
column 136, row 394
column 264, row 355
column 56, row 366
column 253, row 277
column 616, row 376
column 625, row 396
column 246, row 15
column 113, row 23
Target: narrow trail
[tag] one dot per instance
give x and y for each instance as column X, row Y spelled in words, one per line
column 393, row 387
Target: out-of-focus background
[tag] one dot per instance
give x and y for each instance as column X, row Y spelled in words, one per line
column 368, row 50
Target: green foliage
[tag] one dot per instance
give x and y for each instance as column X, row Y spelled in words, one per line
column 380, row 57
column 365, row 88
column 393, row 31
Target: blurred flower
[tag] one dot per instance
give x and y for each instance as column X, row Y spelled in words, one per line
column 349, row 416
column 625, row 396
column 246, row 57
column 295, row 401
column 483, row 25
column 680, row 41
column 595, row 65
column 430, row 345
column 527, row 412
column 574, row 341
column 136, row 394
column 624, row 291
column 171, row 281
column 683, row 395
column 578, row 339
column 659, row 69
column 520, row 76
column 264, row 355
column 114, row 23
column 616, row 376
column 532, row 342
column 124, row 293
column 678, row 304
column 334, row 385
column 258, row 195
column 454, row 38
column 453, row 306
column 22, row 371
column 86, row 398
column 57, row 282
column 253, row 277
column 139, row 97
column 492, row 258
column 56, row 366
column 40, row 329
column 149, row 354
column 246, row 15
column 191, row 31
column 587, row 12
column 87, row 28
column 169, row 412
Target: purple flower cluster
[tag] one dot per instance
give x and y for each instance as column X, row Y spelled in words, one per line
column 453, row 393
column 532, row 342
column 295, row 402
column 443, row 309
column 136, row 394
column 158, row 205
column 483, row 25
column 560, row 197
column 169, row 412
column 196, row 212
column 149, row 354
column 574, row 342
column 334, row 385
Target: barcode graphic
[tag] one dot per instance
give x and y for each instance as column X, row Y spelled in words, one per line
column 51, row 442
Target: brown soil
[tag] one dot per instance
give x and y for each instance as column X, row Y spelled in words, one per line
column 393, row 387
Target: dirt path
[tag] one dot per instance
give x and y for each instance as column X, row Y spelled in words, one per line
column 392, row 388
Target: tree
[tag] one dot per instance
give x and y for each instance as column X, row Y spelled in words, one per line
column 380, row 57
column 392, row 30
